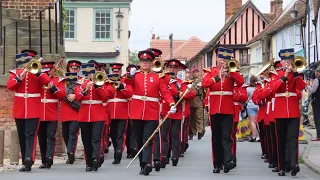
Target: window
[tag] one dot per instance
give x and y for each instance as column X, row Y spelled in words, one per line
column 102, row 24
column 209, row 58
column 258, row 55
column 297, row 34
column 292, row 36
column 283, row 41
column 312, row 38
column 70, row 32
column 244, row 56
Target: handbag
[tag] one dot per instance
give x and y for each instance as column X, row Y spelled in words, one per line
column 244, row 113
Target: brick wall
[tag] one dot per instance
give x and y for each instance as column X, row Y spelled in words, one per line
column 26, row 7
column 231, row 7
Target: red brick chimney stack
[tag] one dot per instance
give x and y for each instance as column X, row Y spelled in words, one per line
column 232, row 6
column 276, row 7
column 153, row 36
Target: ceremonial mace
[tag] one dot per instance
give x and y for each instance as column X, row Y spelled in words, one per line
column 157, row 129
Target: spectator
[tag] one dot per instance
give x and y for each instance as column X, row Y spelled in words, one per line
column 315, row 102
column 252, row 110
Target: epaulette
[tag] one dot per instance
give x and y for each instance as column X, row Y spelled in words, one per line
column 61, row 79
column 13, row 71
column 245, row 85
column 187, row 81
column 206, row 70
column 81, row 81
column 273, row 72
column 172, row 81
column 161, row 75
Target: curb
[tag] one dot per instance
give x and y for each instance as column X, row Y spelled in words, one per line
column 307, row 162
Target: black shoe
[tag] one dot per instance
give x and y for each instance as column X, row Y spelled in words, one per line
column 275, row 169
column 281, row 173
column 141, row 171
column 186, row 146
column 25, row 169
column 106, row 151
column 271, row 166
column 71, row 158
column 294, row 170
column 117, row 157
column 164, row 162
column 288, row 168
column 266, row 161
column 101, row 160
column 49, row 162
column 147, row 169
column 27, row 162
column 252, row 140
column 216, row 170
column 264, row 156
column 228, row 166
column 129, row 156
column 42, row 166
column 88, row 169
column 181, row 155
column 174, row 161
column 95, row 165
column 157, row 165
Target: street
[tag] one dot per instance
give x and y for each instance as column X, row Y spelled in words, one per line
column 196, row 164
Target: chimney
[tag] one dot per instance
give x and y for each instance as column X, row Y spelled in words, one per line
column 153, row 36
column 232, row 6
column 276, row 7
column 158, row 37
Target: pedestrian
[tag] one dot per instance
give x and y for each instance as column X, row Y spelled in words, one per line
column 252, row 110
column 314, row 90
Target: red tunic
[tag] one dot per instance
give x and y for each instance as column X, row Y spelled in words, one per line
column 256, row 100
column 67, row 113
column 118, row 105
column 50, row 101
column 187, row 111
column 221, row 93
column 239, row 96
column 286, row 103
column 267, row 94
column 146, row 88
column 27, row 93
column 91, row 103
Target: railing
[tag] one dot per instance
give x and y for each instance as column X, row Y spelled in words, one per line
column 53, row 14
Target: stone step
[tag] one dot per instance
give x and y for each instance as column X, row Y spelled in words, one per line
column 10, row 31
column 11, row 22
column 10, row 13
column 35, row 41
column 11, row 50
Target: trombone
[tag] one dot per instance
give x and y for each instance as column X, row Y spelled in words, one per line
column 232, row 65
column 299, row 63
column 34, row 66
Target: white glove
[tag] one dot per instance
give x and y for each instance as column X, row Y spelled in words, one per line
column 173, row 110
column 133, row 71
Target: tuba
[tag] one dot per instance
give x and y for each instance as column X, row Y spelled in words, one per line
column 266, row 69
column 157, row 65
column 99, row 78
column 299, row 63
column 34, row 66
column 232, row 65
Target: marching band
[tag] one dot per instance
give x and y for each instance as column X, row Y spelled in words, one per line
column 146, row 109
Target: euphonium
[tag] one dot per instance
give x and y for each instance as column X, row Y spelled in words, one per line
column 99, row 78
column 232, row 65
column 299, row 63
column 157, row 65
column 34, row 66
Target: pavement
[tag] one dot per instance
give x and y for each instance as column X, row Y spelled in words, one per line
column 196, row 163
column 311, row 155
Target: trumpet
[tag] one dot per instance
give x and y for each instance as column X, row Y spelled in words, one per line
column 99, row 78
column 34, row 66
column 157, row 65
column 232, row 65
column 116, row 84
column 299, row 63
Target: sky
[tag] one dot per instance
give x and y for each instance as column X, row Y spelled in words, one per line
column 183, row 18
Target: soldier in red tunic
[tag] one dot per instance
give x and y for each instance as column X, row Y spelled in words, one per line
column 27, row 87
column 50, row 96
column 284, row 84
column 221, row 84
column 119, row 113
column 69, row 112
column 171, row 131
column 91, row 122
column 144, row 105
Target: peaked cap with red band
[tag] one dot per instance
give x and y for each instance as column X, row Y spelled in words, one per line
column 173, row 62
column 195, row 70
column 102, row 65
column 74, row 64
column 116, row 66
column 156, row 52
column 277, row 64
column 47, row 64
column 131, row 66
column 146, row 55
column 183, row 66
column 30, row 51
column 138, row 67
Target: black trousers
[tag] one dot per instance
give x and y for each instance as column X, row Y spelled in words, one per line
column 27, row 132
column 157, row 146
column 47, row 139
column 221, row 127
column 184, row 136
column 316, row 115
column 268, row 143
column 234, row 141
column 130, row 141
column 287, row 132
column 274, row 143
column 175, row 137
column 70, row 132
column 142, row 131
column 262, row 137
column 118, row 128
column 91, row 134
column 165, row 137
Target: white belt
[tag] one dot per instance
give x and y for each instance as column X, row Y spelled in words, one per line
column 236, row 103
column 272, row 105
column 104, row 104
column 221, row 93
column 91, row 102
column 117, row 100
column 145, row 98
column 268, row 107
column 49, row 100
column 26, row 95
column 286, row 94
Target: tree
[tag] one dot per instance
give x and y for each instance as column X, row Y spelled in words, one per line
column 133, row 59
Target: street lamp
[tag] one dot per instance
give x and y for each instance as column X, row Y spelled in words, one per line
column 119, row 18
column 294, row 12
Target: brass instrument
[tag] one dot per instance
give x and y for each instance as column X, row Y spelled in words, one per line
column 115, row 80
column 266, row 69
column 34, row 66
column 232, row 65
column 99, row 78
column 60, row 71
column 157, row 65
column 116, row 84
column 299, row 63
